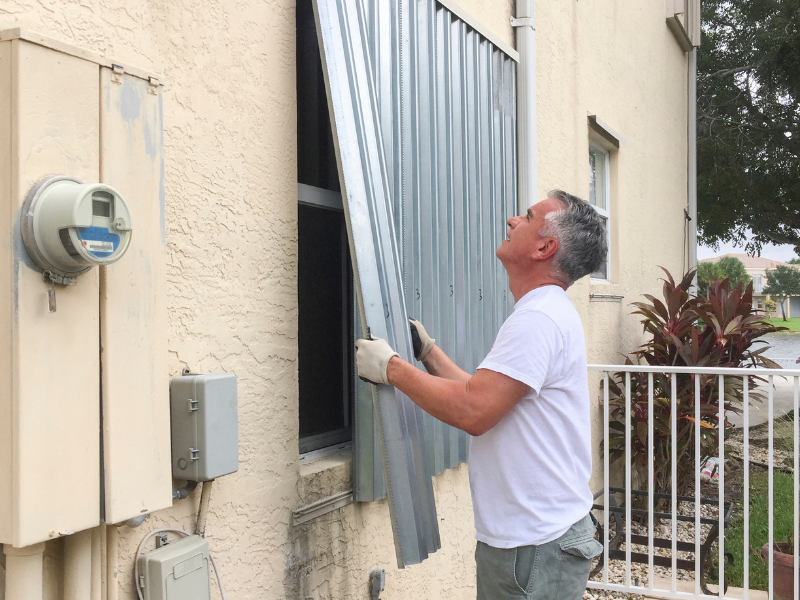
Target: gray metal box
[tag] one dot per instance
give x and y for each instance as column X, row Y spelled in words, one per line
column 205, row 426
column 177, row 571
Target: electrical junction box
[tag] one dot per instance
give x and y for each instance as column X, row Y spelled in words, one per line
column 205, row 426
column 177, row 571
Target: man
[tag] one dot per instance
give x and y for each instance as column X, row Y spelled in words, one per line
column 527, row 407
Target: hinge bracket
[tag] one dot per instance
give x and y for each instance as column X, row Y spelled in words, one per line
column 194, row 405
column 117, row 72
column 523, row 22
column 194, row 454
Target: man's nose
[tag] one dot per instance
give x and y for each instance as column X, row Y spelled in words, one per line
column 512, row 221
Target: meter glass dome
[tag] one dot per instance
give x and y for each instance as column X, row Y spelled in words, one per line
column 70, row 226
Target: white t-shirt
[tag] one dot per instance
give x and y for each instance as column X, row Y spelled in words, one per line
column 529, row 474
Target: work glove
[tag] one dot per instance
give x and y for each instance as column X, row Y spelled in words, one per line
column 372, row 358
column 420, row 339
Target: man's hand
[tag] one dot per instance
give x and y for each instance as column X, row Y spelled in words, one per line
column 372, row 357
column 420, row 339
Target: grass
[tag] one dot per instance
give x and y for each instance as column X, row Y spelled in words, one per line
column 783, row 516
column 759, row 528
column 792, row 324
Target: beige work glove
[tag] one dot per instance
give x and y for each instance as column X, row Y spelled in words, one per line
column 372, row 358
column 420, row 339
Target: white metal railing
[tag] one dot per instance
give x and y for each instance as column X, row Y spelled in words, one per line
column 743, row 383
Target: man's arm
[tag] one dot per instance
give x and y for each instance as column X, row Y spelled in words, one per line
column 439, row 364
column 475, row 404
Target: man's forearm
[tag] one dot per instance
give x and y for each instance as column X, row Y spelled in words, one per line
column 439, row 364
column 444, row 398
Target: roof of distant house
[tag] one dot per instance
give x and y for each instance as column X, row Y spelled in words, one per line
column 751, row 262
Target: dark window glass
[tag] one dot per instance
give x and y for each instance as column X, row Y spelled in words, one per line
column 325, row 323
column 316, row 158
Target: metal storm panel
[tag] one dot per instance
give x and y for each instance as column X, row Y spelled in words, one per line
column 49, row 361
column 445, row 97
column 135, row 380
column 345, row 43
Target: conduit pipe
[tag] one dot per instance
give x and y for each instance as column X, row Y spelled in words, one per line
column 98, row 553
column 525, row 26
column 78, row 566
column 692, row 171
column 24, row 572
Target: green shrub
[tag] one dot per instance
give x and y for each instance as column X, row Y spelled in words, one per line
column 686, row 330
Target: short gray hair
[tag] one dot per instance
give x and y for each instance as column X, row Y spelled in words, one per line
column 581, row 235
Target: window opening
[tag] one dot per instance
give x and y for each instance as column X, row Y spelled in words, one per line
column 325, row 286
column 599, row 198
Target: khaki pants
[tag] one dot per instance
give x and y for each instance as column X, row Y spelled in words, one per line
column 557, row 570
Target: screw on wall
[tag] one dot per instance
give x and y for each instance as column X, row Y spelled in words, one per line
column 377, row 583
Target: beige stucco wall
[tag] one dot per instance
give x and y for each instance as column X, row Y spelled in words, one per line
column 230, row 147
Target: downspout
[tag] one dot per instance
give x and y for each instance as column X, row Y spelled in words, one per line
column 692, row 174
column 524, row 24
column 24, row 579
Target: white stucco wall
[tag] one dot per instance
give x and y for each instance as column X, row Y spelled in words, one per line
column 230, row 147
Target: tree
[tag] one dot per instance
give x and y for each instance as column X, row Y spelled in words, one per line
column 707, row 274
column 794, row 261
column 748, row 122
column 783, row 282
column 728, row 267
column 734, row 270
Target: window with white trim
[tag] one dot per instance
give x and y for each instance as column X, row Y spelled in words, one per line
column 599, row 198
column 758, row 283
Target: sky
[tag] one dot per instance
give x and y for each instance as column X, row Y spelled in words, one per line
column 783, row 252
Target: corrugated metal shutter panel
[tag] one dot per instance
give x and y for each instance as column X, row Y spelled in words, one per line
column 423, row 113
column 446, row 103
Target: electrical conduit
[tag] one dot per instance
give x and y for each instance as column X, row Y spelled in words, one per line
column 78, row 566
column 24, row 572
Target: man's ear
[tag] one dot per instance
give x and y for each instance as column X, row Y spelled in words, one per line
column 545, row 248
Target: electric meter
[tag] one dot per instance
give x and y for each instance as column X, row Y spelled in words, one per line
column 68, row 226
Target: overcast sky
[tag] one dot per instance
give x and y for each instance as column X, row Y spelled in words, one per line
column 783, row 252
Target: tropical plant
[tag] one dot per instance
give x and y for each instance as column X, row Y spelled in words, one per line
column 684, row 330
column 769, row 307
column 708, row 273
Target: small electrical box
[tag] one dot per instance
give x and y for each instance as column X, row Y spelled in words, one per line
column 176, row 571
column 68, row 227
column 205, row 426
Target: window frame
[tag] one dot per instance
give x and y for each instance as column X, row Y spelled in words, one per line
column 604, row 212
column 321, row 198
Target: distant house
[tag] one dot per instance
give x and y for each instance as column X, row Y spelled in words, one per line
column 757, row 267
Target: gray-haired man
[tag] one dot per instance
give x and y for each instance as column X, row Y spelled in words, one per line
column 527, row 407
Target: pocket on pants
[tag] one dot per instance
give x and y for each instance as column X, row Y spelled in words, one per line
column 587, row 547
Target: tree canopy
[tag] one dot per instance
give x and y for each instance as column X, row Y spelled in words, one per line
column 748, row 122
column 782, row 282
column 728, row 267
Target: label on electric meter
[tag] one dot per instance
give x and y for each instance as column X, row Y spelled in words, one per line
column 99, row 241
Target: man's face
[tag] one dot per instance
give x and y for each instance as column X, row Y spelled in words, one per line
column 523, row 241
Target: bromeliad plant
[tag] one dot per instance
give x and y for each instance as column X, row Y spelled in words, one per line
column 721, row 330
